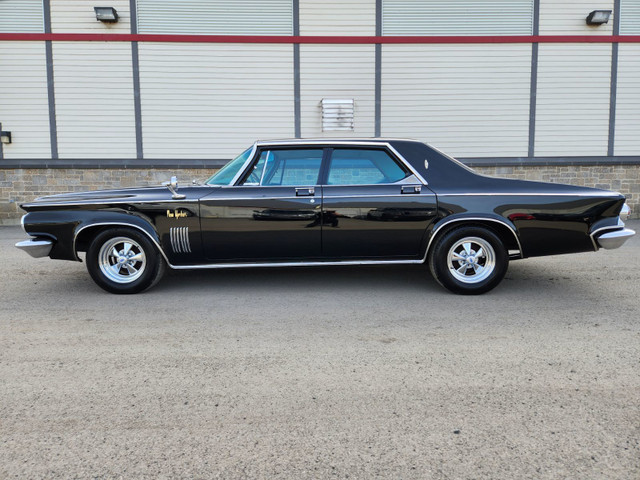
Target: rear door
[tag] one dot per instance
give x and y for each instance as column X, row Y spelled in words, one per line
column 373, row 206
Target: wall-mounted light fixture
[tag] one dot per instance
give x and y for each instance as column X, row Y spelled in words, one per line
column 106, row 14
column 5, row 137
column 598, row 17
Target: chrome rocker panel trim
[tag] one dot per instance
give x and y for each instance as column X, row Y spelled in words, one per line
column 36, row 247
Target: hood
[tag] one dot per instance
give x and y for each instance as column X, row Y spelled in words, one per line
column 115, row 197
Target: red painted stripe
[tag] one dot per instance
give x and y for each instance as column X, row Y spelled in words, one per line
column 124, row 37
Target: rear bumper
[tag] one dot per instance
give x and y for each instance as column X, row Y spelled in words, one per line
column 36, row 247
column 615, row 239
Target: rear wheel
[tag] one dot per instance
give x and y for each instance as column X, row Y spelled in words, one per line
column 122, row 260
column 469, row 260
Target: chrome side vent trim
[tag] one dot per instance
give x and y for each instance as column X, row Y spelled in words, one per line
column 179, row 237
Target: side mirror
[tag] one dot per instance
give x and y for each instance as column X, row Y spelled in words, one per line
column 172, row 185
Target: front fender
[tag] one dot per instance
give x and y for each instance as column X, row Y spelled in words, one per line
column 65, row 226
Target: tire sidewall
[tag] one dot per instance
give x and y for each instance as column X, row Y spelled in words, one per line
column 440, row 269
column 152, row 258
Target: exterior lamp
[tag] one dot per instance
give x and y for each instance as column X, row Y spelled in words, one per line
column 106, row 14
column 5, row 137
column 598, row 17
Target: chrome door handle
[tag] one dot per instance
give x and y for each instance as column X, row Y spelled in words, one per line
column 408, row 189
column 305, row 192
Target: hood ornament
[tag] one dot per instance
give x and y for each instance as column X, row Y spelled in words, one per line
column 172, row 185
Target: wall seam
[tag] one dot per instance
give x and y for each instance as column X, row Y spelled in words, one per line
column 533, row 88
column 296, row 72
column 613, row 92
column 378, row 73
column 135, row 68
column 51, row 96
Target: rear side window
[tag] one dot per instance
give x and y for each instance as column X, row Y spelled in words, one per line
column 363, row 167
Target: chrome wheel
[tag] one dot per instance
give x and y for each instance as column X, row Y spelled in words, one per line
column 471, row 260
column 121, row 260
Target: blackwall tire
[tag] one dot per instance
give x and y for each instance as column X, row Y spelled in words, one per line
column 124, row 261
column 468, row 260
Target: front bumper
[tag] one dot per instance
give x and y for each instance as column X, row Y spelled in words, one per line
column 37, row 247
column 615, row 239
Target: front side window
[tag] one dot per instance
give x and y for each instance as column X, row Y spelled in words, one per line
column 285, row 168
column 363, row 167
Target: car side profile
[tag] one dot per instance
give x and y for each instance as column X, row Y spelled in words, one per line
column 326, row 202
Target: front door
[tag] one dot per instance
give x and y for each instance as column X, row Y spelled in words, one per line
column 273, row 213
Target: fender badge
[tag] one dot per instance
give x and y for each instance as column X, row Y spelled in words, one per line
column 176, row 214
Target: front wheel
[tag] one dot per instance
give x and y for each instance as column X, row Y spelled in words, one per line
column 469, row 260
column 121, row 260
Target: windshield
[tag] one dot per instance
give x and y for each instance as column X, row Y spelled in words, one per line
column 230, row 170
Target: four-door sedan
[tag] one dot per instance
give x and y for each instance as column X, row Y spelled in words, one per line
column 326, row 202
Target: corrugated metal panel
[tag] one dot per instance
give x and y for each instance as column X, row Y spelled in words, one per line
column 24, row 100
column 337, row 71
column 216, row 17
column 213, row 100
column 78, row 16
column 627, row 140
column 630, row 17
column 21, row 16
column 457, row 17
column 94, row 100
column 572, row 112
column 568, row 17
column 469, row 100
column 337, row 17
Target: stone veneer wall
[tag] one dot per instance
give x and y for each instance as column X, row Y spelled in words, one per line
column 20, row 185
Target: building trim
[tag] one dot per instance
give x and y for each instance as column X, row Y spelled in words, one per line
column 164, row 163
column 551, row 161
column 297, row 102
column 51, row 96
column 378, row 73
column 135, row 68
column 534, row 80
column 614, row 81
column 309, row 39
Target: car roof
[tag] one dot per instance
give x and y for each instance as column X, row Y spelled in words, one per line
column 330, row 141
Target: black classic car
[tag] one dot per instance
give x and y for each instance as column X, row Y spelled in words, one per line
column 326, row 202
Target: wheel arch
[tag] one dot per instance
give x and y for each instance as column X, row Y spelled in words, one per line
column 505, row 230
column 86, row 230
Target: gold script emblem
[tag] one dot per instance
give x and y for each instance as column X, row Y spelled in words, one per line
column 176, row 214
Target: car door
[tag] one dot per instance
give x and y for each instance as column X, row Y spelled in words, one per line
column 273, row 213
column 374, row 207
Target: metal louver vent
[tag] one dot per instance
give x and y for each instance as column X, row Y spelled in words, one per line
column 337, row 115
column 629, row 17
column 179, row 237
column 457, row 17
column 17, row 16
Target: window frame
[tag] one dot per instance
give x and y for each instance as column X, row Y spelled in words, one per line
column 324, row 173
column 256, row 158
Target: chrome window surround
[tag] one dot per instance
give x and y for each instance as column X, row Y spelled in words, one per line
column 327, row 144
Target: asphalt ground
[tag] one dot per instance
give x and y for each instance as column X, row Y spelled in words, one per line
column 370, row 372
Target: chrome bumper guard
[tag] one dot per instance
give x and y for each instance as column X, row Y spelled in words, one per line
column 615, row 239
column 36, row 247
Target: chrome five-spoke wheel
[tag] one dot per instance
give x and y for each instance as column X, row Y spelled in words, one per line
column 471, row 260
column 122, row 260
